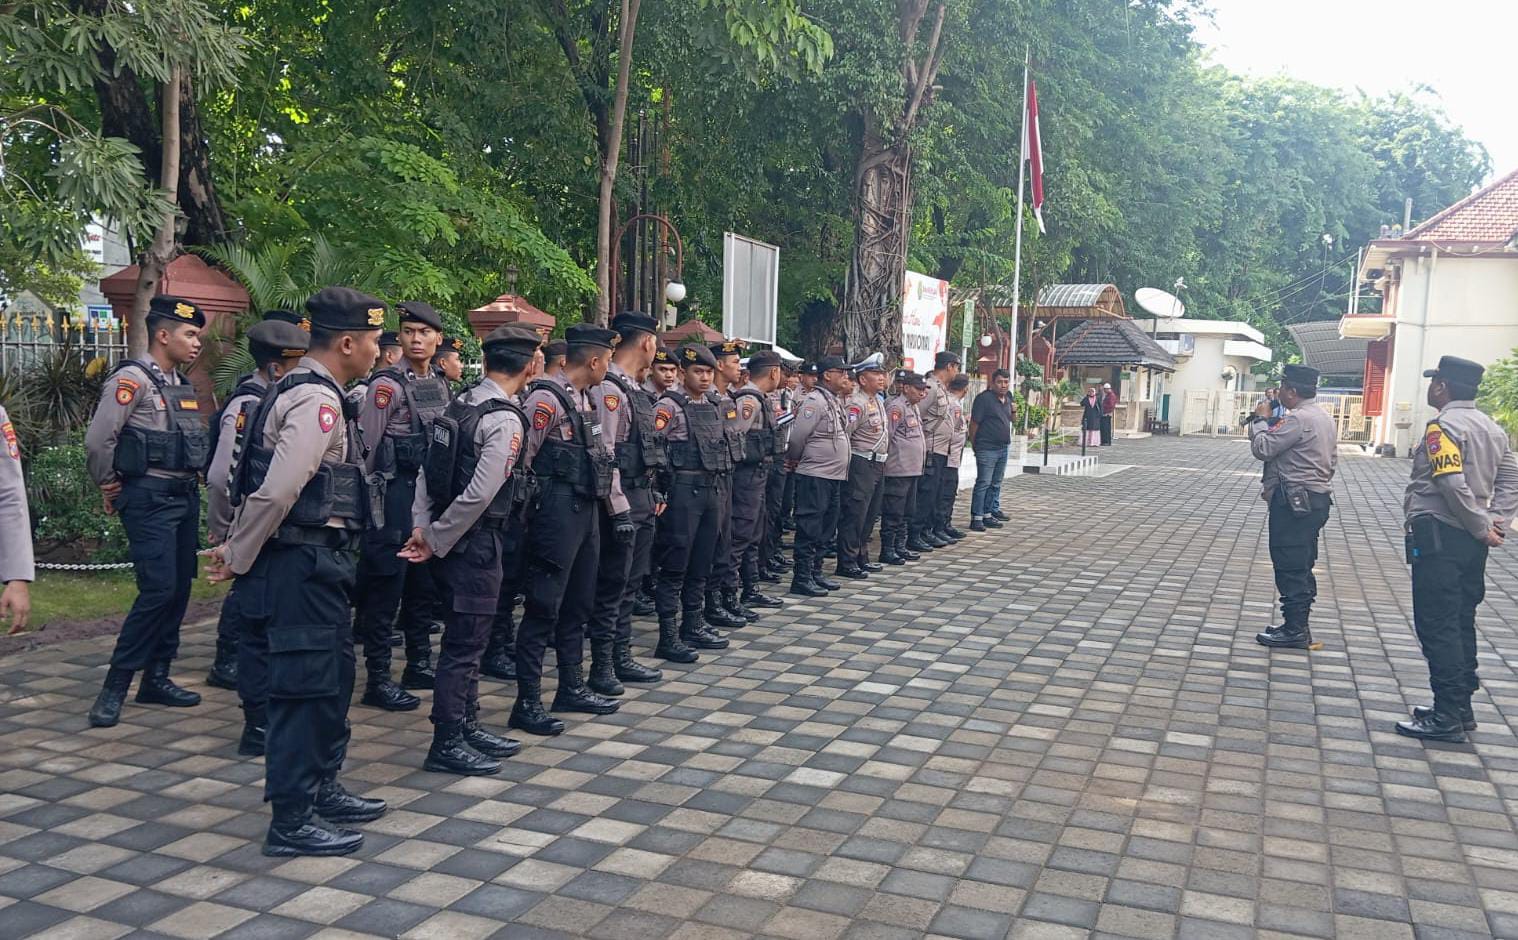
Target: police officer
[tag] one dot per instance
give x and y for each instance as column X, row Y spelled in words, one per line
column 391, row 352
column 1300, row 452
column 661, row 377
column 869, row 446
column 903, row 468
column 302, row 498
column 553, row 358
column 147, row 445
column 629, row 411
column 17, row 568
column 772, row 561
column 818, row 452
column 936, row 428
column 465, row 499
column 575, row 472
column 396, row 419
column 686, row 537
column 759, row 436
column 959, row 432
column 724, row 574
column 1460, row 504
column 449, row 360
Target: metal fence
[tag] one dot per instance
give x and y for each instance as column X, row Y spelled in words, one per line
column 28, row 339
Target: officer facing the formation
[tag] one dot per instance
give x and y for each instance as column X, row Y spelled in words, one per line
column 903, row 468
column 1460, row 504
column 147, row 445
column 391, row 351
column 756, row 426
column 277, row 347
column 575, row 473
column 640, row 456
column 302, row 498
column 466, row 498
column 17, row 569
column 396, row 420
column 869, row 445
column 1300, row 452
column 450, row 358
column 937, row 428
column 818, row 452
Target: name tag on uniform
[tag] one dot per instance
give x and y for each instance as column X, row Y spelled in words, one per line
column 595, row 430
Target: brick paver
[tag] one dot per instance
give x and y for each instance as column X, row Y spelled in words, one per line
column 1059, row 729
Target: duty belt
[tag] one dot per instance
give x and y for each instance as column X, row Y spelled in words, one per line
column 289, row 536
column 872, row 458
column 179, row 485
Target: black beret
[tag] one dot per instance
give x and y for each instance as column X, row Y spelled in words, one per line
column 278, row 338
column 728, row 347
column 1457, row 370
column 419, row 311
column 827, row 363
column 808, row 367
column 763, row 359
column 588, row 334
column 633, row 322
column 450, row 344
column 177, row 309
column 694, row 355
column 517, row 338
column 946, row 359
column 343, row 309
column 555, row 349
column 908, row 377
column 290, row 316
column 1304, row 376
column 389, row 338
column 663, row 358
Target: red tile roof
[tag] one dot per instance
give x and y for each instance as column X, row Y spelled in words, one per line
column 1488, row 215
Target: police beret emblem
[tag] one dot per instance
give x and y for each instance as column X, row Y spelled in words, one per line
column 184, row 311
column 689, row 354
column 376, row 316
column 305, row 324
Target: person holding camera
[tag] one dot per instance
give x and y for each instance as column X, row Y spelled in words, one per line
column 1300, row 451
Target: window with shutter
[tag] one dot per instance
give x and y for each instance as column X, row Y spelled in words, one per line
column 1377, row 363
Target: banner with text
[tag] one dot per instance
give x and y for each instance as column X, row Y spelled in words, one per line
column 924, row 320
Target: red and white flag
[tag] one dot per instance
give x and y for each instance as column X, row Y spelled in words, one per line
column 1033, row 152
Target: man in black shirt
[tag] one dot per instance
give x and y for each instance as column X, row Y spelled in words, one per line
column 991, row 434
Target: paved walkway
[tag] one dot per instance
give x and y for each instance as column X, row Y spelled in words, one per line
column 1061, row 729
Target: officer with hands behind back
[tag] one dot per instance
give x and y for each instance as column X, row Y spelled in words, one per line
column 818, row 453
column 1459, row 504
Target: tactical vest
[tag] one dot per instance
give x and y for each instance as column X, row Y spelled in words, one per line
column 339, row 490
column 184, row 447
column 643, row 452
column 245, row 386
column 426, row 398
column 509, row 498
column 579, row 463
column 706, row 445
column 759, row 444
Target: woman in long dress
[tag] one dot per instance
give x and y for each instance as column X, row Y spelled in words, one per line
column 1091, row 418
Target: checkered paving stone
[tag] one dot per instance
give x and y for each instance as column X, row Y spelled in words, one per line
column 1062, row 728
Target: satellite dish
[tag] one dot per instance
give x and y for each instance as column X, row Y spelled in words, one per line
column 1159, row 303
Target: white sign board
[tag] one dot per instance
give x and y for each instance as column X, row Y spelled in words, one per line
column 924, row 320
column 750, row 288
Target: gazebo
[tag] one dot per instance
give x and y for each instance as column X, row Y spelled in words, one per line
column 691, row 331
column 1118, row 352
column 510, row 308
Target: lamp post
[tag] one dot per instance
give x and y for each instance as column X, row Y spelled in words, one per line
column 674, row 291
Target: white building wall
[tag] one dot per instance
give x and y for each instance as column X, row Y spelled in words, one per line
column 1203, row 370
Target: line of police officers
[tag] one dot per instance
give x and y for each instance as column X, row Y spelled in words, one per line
column 577, row 477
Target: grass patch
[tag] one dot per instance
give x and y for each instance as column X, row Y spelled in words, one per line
column 83, row 595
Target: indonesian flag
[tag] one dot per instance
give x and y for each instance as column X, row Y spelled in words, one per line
column 1034, row 153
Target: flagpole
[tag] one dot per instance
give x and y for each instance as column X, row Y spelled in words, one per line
column 1017, row 265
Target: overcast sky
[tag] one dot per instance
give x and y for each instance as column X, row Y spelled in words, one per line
column 1463, row 49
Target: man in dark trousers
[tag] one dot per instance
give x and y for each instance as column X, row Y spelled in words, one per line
column 1109, row 408
column 818, row 452
column 1459, row 505
column 1301, row 453
column 724, row 575
column 903, row 468
column 991, row 418
column 302, row 498
column 575, row 473
column 465, row 500
column 756, row 425
column 772, row 561
column 869, row 445
column 926, row 533
column 147, row 444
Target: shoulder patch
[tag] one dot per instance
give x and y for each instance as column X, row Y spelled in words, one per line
column 613, row 402
column 808, row 411
column 8, row 430
column 748, row 408
column 126, row 390
column 855, row 411
column 382, row 395
column 895, row 415
column 662, row 418
column 326, row 418
column 516, row 444
column 1443, row 452
column 541, row 415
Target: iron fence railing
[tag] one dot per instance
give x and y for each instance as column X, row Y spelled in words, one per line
column 27, row 339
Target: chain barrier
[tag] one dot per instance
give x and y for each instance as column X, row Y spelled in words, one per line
column 118, row 566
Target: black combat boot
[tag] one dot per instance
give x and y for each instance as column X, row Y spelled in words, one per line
column 451, row 754
column 949, row 532
column 902, row 548
column 821, row 580
column 223, row 674
column 156, row 688
column 255, row 725
column 851, row 572
column 643, row 604
column 337, row 805
column 418, row 673
column 932, row 538
column 696, row 634
column 918, row 542
column 1435, row 726
column 756, row 599
column 603, row 674
column 734, row 603
column 870, row 567
column 382, row 692
column 528, row 714
column 719, row 616
column 575, row 696
column 1293, row 634
column 1467, row 715
column 107, row 708
column 803, row 583
column 486, row 742
column 294, row 832
column 671, row 647
column 629, row 669
column 499, row 661
column 890, row 553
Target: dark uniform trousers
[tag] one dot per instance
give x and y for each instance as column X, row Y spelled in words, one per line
column 748, row 517
column 564, row 545
column 1449, row 582
column 252, row 670
column 388, row 584
column 296, row 623
column 685, row 541
column 162, row 522
column 513, row 569
column 724, row 573
column 948, row 489
column 861, row 504
column 471, row 581
column 898, row 504
column 1294, row 551
column 934, row 471
column 775, row 487
column 816, row 518
column 619, row 571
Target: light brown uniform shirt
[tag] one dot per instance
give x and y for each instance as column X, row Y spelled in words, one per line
column 934, row 409
column 908, row 446
column 1301, row 450
column 498, row 440
column 869, row 436
column 218, row 476
column 16, row 562
column 959, row 430
column 129, row 399
column 1464, row 472
column 305, row 427
column 819, row 441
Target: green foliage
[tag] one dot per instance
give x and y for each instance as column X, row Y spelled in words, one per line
column 1499, row 394
column 67, row 510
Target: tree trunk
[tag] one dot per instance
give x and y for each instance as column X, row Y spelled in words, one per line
column 611, row 150
column 158, row 255
column 878, row 268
